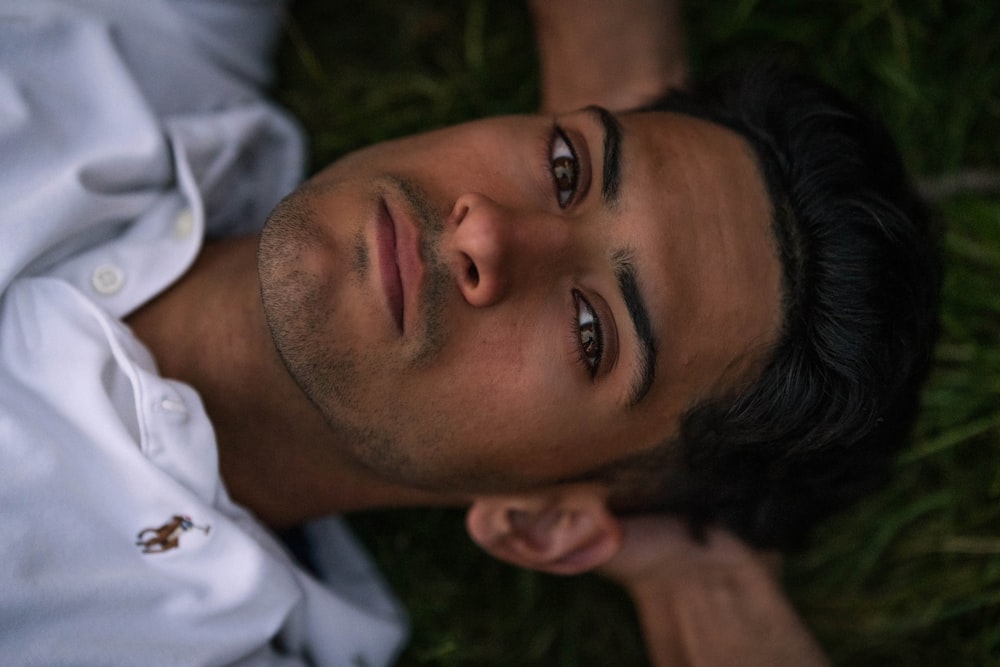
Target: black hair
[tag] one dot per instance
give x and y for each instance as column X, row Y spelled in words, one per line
column 839, row 391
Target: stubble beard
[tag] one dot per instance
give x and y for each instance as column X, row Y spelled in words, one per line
column 294, row 300
column 299, row 314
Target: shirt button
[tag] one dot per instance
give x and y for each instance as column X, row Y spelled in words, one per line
column 184, row 224
column 175, row 405
column 107, row 279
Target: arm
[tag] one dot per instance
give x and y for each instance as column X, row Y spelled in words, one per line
column 617, row 54
column 708, row 604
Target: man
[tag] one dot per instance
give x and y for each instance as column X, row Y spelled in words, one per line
column 509, row 315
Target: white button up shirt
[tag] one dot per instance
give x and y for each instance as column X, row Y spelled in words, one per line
column 128, row 132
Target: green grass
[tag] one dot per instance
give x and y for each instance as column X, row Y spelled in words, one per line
column 911, row 576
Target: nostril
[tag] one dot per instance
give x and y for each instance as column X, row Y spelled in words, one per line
column 472, row 272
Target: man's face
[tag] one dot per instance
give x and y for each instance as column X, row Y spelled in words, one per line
column 514, row 301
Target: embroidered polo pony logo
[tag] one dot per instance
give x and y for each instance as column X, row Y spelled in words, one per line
column 167, row 536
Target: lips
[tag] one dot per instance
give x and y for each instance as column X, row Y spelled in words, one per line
column 388, row 263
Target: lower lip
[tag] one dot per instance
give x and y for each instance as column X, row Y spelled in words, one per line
column 385, row 238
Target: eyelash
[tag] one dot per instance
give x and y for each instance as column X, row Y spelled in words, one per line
column 582, row 308
column 570, row 160
column 593, row 327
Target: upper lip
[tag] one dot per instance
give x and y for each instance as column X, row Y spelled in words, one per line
column 399, row 259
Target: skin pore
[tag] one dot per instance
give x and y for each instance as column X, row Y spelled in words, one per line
column 485, row 308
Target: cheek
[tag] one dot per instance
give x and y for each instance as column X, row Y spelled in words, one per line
column 504, row 374
column 456, row 166
column 497, row 366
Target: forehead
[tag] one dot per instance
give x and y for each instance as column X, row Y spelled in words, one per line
column 698, row 210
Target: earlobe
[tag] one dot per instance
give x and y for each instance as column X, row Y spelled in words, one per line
column 565, row 530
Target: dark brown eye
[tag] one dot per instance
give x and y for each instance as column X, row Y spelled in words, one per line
column 588, row 340
column 565, row 169
column 588, row 329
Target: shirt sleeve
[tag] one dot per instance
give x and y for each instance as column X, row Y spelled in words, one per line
column 239, row 35
column 106, row 107
column 236, row 36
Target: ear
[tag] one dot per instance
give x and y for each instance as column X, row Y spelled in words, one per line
column 565, row 529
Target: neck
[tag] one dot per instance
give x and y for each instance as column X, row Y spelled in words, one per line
column 277, row 455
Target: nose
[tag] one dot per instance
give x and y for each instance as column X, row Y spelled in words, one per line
column 494, row 244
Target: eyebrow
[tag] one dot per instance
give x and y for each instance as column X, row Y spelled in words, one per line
column 628, row 285
column 625, row 273
column 611, row 172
